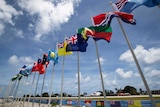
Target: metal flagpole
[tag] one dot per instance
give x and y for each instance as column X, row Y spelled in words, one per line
column 100, row 70
column 16, row 90
column 24, row 100
column 31, row 88
column 62, row 81
column 35, row 91
column 51, row 86
column 8, row 90
column 42, row 87
column 78, row 80
column 20, row 99
column 135, row 59
column 13, row 89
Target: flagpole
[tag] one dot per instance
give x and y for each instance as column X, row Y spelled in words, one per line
column 16, row 90
column 78, row 80
column 31, row 88
column 135, row 59
column 7, row 90
column 42, row 86
column 20, row 100
column 35, row 91
column 62, row 79
column 51, row 86
column 13, row 88
column 26, row 92
column 1, row 102
column 100, row 70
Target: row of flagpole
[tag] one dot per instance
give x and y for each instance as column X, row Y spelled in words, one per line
column 17, row 83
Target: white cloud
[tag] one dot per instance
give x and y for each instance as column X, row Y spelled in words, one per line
column 114, row 82
column 18, row 33
column 82, row 79
column 153, row 73
column 123, row 74
column 7, row 12
column 50, row 16
column 102, row 60
column 15, row 60
column 148, row 56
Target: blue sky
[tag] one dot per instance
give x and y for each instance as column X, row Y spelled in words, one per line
column 28, row 29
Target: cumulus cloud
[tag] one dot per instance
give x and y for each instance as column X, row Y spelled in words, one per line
column 82, row 79
column 7, row 12
column 148, row 56
column 111, row 82
column 18, row 33
column 102, row 60
column 51, row 15
column 15, row 60
column 152, row 73
column 123, row 74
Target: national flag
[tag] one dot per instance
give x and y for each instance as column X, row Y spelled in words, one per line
column 84, row 32
column 82, row 43
column 106, row 18
column 99, row 103
column 99, row 32
column 120, row 4
column 26, row 70
column 45, row 60
column 72, row 43
column 126, row 17
column 76, row 43
column 62, row 49
column 35, row 67
column 38, row 67
column 87, row 103
column 99, row 19
column 129, row 5
column 53, row 55
column 115, row 104
column 72, row 39
column 41, row 68
column 18, row 76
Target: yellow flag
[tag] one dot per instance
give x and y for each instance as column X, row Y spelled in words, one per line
column 62, row 49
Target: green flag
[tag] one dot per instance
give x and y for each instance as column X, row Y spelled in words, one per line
column 97, row 32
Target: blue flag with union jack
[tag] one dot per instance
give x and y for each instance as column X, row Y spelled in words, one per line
column 76, row 43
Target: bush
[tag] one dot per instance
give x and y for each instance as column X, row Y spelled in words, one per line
column 54, row 104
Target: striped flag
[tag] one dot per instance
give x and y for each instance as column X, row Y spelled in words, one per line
column 129, row 5
column 106, row 18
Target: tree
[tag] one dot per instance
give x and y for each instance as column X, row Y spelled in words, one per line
column 141, row 91
column 130, row 89
column 45, row 94
column 37, row 95
column 64, row 94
